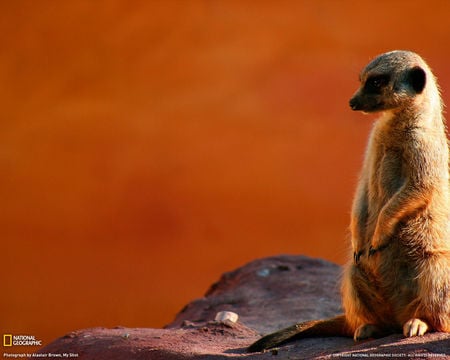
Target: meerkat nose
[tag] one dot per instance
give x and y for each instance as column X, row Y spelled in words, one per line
column 353, row 104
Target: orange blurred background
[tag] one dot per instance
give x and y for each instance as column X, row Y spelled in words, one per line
column 147, row 147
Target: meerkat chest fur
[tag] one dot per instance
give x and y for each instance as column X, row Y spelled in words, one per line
column 385, row 162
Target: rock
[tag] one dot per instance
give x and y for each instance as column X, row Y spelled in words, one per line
column 267, row 294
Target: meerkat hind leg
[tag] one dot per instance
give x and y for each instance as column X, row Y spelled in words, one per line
column 415, row 327
column 368, row 331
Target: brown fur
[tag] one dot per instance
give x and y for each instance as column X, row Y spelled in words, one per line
column 399, row 277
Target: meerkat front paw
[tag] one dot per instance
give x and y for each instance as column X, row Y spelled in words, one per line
column 415, row 327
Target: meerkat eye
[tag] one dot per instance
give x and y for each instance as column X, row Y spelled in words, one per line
column 375, row 83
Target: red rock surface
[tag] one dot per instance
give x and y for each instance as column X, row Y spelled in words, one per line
column 267, row 294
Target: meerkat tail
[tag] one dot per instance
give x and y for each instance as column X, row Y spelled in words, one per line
column 336, row 326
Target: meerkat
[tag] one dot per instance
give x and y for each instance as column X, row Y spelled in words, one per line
column 398, row 277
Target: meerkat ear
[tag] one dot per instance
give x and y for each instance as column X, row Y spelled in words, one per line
column 417, row 79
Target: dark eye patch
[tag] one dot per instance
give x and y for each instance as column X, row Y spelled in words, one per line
column 375, row 83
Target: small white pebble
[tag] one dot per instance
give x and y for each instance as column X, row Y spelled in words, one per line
column 226, row 315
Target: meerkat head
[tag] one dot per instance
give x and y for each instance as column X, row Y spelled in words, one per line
column 391, row 81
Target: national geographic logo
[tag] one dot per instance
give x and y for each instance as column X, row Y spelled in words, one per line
column 7, row 340
column 20, row 340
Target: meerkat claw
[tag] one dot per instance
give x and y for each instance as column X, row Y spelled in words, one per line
column 357, row 256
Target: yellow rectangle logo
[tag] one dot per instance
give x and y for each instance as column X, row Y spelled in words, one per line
column 7, row 340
